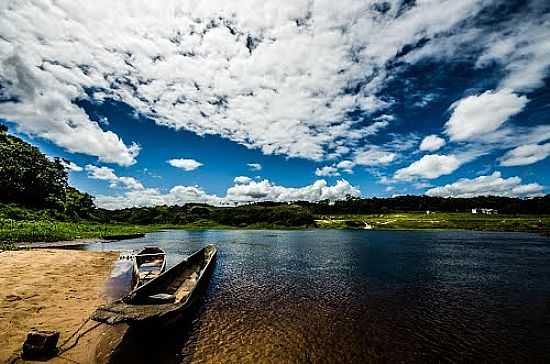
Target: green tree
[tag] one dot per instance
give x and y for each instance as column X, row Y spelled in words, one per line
column 78, row 205
column 27, row 176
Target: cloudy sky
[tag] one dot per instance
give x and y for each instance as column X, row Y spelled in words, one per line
column 221, row 101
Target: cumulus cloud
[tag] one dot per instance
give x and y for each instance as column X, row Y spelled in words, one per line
column 242, row 180
column 473, row 117
column 431, row 143
column 255, row 166
column 490, row 185
column 525, row 154
column 280, row 76
column 241, row 192
column 178, row 195
column 429, row 166
column 327, row 171
column 108, row 174
column 267, row 191
column 185, row 164
column 43, row 107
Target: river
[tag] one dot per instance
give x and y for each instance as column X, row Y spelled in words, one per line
column 351, row 296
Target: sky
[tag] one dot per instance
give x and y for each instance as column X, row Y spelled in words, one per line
column 228, row 102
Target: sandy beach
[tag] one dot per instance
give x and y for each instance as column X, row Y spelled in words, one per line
column 50, row 289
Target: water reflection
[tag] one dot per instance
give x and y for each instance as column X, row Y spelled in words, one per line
column 355, row 296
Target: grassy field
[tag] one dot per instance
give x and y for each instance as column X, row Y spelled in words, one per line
column 12, row 231
column 450, row 221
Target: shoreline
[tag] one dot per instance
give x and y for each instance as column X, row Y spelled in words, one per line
column 74, row 242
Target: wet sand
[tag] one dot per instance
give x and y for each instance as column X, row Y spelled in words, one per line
column 51, row 290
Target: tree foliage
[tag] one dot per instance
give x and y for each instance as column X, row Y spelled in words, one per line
column 31, row 179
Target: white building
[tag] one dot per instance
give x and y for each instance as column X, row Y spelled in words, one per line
column 484, row 211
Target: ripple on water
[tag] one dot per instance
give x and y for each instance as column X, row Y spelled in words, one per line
column 357, row 296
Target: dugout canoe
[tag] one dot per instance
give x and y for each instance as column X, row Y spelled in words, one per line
column 149, row 263
column 163, row 299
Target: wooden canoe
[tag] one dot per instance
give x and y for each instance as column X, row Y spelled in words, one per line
column 163, row 299
column 149, row 263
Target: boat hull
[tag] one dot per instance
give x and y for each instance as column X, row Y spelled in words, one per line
column 137, row 307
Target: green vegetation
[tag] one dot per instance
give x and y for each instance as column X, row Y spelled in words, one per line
column 438, row 220
column 12, row 231
column 32, row 180
column 201, row 215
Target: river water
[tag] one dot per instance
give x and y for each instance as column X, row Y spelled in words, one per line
column 350, row 296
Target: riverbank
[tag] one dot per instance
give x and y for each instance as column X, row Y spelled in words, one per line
column 438, row 221
column 12, row 232
column 50, row 289
column 29, row 233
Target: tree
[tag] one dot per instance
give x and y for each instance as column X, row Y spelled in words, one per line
column 27, row 176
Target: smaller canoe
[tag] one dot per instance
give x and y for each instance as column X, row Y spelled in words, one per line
column 149, row 263
column 164, row 299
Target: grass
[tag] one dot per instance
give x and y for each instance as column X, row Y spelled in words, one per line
column 12, row 231
column 450, row 221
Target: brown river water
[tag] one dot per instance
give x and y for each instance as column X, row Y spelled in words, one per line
column 337, row 296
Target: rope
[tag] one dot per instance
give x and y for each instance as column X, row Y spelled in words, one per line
column 64, row 350
column 77, row 330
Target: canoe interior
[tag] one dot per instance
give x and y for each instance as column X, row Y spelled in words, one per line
column 148, row 264
column 169, row 293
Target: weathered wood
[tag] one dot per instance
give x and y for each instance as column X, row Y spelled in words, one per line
column 153, row 301
column 149, row 263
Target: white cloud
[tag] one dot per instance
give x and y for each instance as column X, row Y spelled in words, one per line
column 185, row 164
column 71, row 166
column 476, row 116
column 255, row 166
column 178, row 195
column 346, row 166
column 44, row 108
column 525, row 154
column 373, row 156
column 523, row 49
column 429, row 166
column 239, row 193
column 266, row 191
column 493, row 184
column 327, row 171
column 270, row 75
column 431, row 143
column 108, row 174
column 242, row 180
column 520, row 46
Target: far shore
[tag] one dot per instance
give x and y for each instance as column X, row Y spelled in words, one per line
column 51, row 289
column 29, row 234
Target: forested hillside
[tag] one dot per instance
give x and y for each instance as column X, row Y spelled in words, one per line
column 31, row 180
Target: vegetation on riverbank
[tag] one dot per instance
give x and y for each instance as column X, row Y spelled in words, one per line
column 438, row 220
column 12, row 231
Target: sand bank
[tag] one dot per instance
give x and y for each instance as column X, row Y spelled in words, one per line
column 50, row 290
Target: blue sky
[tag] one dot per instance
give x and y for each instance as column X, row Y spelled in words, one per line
column 364, row 98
